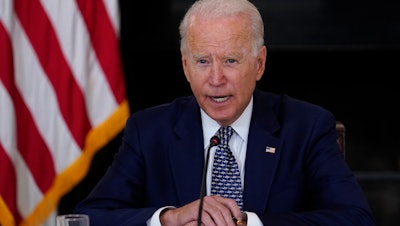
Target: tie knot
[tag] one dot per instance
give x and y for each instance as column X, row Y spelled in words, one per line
column 225, row 134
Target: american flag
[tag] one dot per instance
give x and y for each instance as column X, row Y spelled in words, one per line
column 269, row 149
column 62, row 98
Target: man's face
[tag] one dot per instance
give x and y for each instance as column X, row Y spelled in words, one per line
column 220, row 67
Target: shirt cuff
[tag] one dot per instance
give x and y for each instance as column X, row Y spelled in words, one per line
column 253, row 219
column 155, row 219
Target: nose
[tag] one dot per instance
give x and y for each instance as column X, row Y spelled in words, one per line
column 216, row 75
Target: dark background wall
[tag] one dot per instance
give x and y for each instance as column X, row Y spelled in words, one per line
column 341, row 54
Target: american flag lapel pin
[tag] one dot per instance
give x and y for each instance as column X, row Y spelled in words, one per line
column 269, row 149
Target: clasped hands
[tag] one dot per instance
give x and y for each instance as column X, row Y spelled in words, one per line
column 217, row 211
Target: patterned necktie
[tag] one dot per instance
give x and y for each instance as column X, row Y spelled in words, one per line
column 225, row 175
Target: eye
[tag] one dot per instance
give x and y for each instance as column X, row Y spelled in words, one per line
column 231, row 61
column 202, row 61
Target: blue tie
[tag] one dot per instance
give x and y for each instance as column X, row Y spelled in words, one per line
column 225, row 175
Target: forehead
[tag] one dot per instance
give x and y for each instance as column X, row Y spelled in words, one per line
column 219, row 32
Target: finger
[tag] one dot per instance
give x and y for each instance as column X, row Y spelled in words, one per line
column 207, row 219
column 231, row 205
column 192, row 223
column 218, row 208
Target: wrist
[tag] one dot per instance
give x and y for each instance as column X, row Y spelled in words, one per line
column 165, row 216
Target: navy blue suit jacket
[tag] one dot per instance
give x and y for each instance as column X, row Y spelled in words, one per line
column 160, row 163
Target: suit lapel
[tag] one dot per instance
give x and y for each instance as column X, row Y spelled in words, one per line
column 263, row 151
column 187, row 154
column 260, row 169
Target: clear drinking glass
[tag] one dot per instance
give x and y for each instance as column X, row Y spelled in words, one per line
column 72, row 220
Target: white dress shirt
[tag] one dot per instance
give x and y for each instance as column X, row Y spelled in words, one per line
column 237, row 144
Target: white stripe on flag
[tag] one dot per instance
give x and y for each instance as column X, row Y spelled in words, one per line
column 27, row 191
column 73, row 38
column 39, row 101
column 113, row 10
column 42, row 104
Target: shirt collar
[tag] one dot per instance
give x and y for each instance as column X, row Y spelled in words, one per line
column 241, row 125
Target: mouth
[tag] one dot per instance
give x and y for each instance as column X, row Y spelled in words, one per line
column 220, row 99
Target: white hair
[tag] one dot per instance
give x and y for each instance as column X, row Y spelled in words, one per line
column 221, row 8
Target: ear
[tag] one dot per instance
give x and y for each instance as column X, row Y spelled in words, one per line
column 261, row 59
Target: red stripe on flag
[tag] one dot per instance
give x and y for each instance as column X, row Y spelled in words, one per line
column 105, row 43
column 8, row 178
column 32, row 147
column 72, row 103
column 7, row 171
column 48, row 50
column 29, row 141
